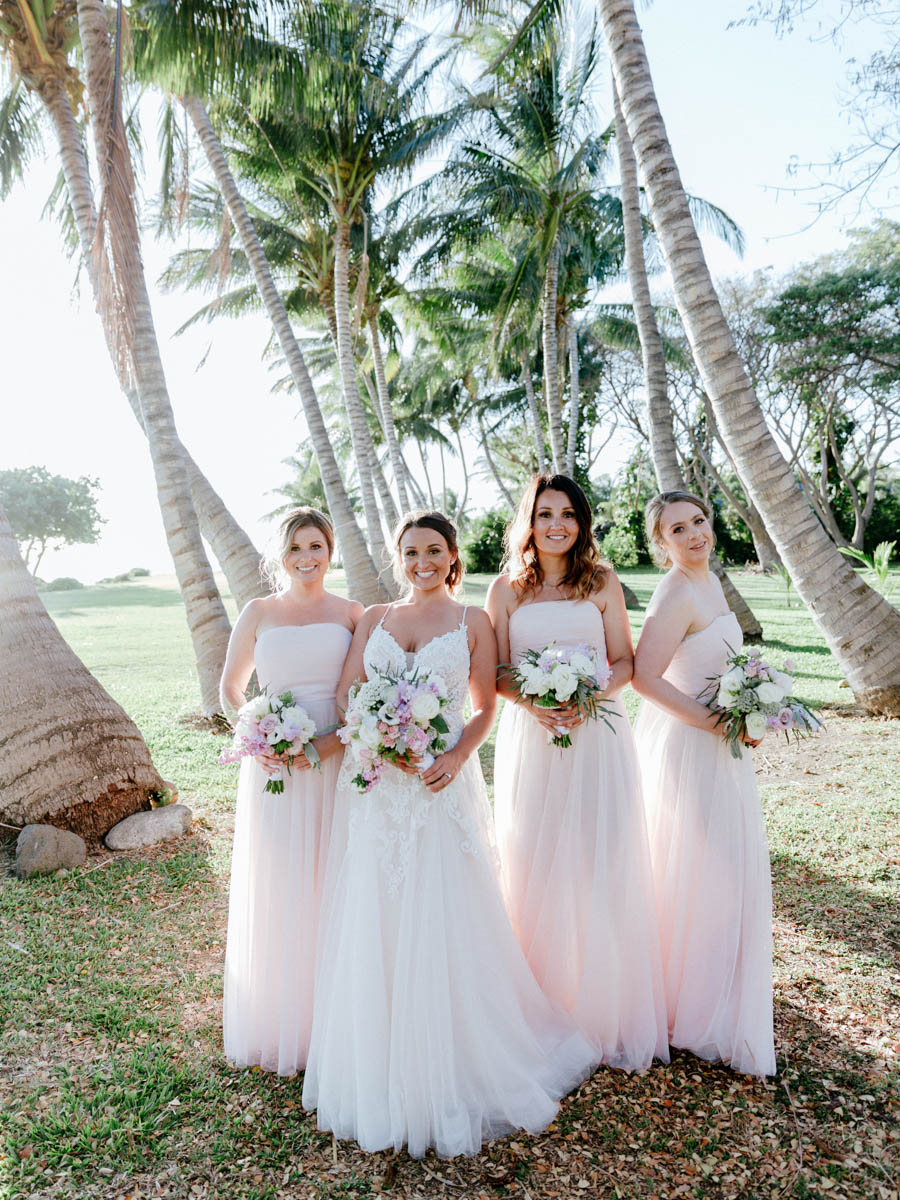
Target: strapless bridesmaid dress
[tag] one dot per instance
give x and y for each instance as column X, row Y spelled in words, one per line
column 711, row 870
column 574, row 857
column 280, row 843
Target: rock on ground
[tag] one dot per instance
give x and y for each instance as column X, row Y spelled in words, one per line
column 43, row 848
column 148, row 828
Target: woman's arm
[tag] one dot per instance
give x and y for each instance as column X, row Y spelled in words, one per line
column 483, row 694
column 619, row 648
column 501, row 601
column 353, row 669
column 669, row 617
column 239, row 657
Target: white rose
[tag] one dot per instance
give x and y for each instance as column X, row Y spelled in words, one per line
column 425, row 706
column 770, row 693
column 756, row 724
column 391, row 695
column 368, row 732
column 733, row 680
column 437, row 681
column 581, row 664
column 563, row 681
column 724, row 699
column 783, row 681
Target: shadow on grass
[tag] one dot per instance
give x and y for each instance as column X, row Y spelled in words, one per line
column 115, row 596
column 790, row 648
column 826, row 904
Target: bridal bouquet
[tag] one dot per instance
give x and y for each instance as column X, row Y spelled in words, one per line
column 561, row 675
column 754, row 697
column 277, row 725
column 391, row 718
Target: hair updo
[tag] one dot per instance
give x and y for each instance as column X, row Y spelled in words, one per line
column 294, row 520
column 586, row 571
column 653, row 520
column 440, row 524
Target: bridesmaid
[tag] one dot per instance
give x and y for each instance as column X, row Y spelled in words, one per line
column 570, row 823
column 297, row 637
column 707, row 838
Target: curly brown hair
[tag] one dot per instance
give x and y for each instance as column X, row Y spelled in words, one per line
column 440, row 524
column 586, row 571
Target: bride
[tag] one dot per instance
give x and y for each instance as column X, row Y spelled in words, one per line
column 429, row 1029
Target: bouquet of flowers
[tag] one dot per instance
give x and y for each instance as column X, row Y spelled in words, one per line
column 561, row 675
column 754, row 697
column 276, row 724
column 391, row 718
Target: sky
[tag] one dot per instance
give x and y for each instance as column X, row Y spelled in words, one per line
column 740, row 107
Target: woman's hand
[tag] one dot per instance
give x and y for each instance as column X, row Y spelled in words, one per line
column 557, row 720
column 443, row 770
column 277, row 764
column 409, row 765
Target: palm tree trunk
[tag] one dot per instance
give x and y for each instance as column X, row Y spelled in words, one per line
column 550, row 342
column 426, row 473
column 362, row 575
column 504, row 491
column 663, row 450
column 71, row 756
column 574, row 399
column 461, row 507
column 356, row 417
column 237, row 556
column 387, row 417
column 860, row 626
column 535, row 415
column 125, row 305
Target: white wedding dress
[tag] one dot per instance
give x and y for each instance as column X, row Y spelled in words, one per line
column 429, row 1029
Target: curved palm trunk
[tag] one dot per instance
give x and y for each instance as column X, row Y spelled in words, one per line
column 362, row 576
column 237, row 556
column 550, row 343
column 534, row 413
column 356, row 417
column 69, row 755
column 125, row 305
column 574, row 400
column 663, row 449
column 860, row 626
column 401, row 472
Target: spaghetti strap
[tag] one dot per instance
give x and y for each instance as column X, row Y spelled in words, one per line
column 462, row 623
column 384, row 614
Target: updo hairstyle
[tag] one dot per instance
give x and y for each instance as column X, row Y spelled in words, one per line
column 297, row 518
column 653, row 514
column 440, row 524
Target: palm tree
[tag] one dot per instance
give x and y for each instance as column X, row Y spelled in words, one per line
column 860, row 626
column 71, row 756
column 36, row 38
column 125, row 307
column 663, row 449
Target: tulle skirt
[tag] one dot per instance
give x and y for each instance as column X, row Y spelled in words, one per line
column 713, row 890
column 429, row 1028
column 577, row 881
column 276, row 879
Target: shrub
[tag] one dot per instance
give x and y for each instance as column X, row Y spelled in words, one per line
column 64, row 584
column 483, row 548
column 138, row 572
column 622, row 547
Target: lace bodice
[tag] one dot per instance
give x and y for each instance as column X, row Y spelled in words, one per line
column 447, row 655
column 386, row 821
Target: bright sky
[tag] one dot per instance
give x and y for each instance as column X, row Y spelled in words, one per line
column 739, row 105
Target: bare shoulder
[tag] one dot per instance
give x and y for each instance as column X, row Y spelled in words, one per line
column 502, row 591
column 478, row 620
column 674, row 594
column 351, row 609
column 253, row 613
column 369, row 617
column 606, row 587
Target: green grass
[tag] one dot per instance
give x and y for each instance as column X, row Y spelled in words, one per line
column 112, row 1081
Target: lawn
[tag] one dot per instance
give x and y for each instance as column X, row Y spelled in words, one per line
column 112, row 1082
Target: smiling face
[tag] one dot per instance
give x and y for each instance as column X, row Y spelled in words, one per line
column 425, row 557
column 685, row 533
column 308, row 555
column 555, row 523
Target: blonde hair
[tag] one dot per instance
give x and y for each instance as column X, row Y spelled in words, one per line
column 297, row 518
column 586, row 571
column 440, row 524
column 653, row 519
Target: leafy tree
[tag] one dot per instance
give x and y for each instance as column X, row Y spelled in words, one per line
column 48, row 511
column 483, row 548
